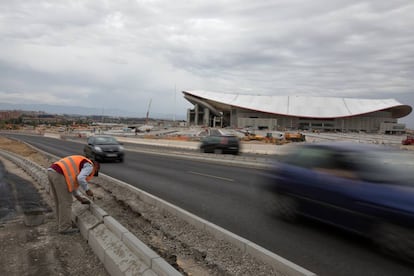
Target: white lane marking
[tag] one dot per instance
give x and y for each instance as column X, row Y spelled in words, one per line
column 212, row 176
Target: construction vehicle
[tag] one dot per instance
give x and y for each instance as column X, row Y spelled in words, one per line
column 250, row 136
column 294, row 136
column 275, row 138
column 409, row 140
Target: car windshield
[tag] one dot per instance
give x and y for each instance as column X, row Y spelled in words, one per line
column 386, row 166
column 105, row 140
column 373, row 165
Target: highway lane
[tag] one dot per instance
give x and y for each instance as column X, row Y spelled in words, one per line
column 231, row 197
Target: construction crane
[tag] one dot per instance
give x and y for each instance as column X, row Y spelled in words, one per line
column 146, row 127
column 149, row 106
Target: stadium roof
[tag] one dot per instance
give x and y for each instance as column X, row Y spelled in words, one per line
column 298, row 106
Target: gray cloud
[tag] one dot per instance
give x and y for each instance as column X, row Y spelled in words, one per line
column 121, row 54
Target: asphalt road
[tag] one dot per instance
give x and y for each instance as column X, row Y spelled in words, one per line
column 18, row 196
column 232, row 198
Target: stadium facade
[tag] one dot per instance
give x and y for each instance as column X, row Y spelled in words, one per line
column 214, row 109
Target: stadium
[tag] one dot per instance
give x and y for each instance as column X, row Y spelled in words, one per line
column 213, row 109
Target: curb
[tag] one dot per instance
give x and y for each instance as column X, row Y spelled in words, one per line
column 279, row 263
column 120, row 251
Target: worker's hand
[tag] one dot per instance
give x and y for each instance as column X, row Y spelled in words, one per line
column 89, row 193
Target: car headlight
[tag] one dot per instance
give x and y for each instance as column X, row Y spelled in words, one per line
column 98, row 149
column 120, row 148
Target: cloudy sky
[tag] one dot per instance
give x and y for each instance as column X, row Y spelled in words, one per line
column 123, row 54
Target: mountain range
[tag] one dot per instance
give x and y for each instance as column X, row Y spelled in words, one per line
column 78, row 110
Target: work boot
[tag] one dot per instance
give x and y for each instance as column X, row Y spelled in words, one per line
column 71, row 230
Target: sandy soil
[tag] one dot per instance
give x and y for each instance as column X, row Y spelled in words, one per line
column 190, row 251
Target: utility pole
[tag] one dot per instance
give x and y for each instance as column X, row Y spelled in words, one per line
column 175, row 96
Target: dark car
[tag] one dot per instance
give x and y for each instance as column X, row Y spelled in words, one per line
column 104, row 148
column 220, row 144
column 365, row 189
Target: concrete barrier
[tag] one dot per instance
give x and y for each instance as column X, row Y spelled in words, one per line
column 266, row 149
column 52, row 135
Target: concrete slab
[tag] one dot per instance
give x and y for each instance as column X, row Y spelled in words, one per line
column 162, row 268
column 86, row 221
column 145, row 253
column 115, row 227
column 98, row 212
column 119, row 260
column 100, row 239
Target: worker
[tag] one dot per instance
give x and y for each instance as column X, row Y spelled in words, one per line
column 65, row 176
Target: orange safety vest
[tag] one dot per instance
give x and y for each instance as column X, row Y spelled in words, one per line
column 71, row 168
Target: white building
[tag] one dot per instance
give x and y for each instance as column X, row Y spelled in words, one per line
column 295, row 112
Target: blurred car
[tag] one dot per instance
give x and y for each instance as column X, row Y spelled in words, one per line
column 104, row 148
column 220, row 144
column 365, row 189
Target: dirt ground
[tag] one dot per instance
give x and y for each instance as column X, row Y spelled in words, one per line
column 189, row 250
column 38, row 250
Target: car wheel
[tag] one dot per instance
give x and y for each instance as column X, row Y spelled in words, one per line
column 395, row 240
column 286, row 207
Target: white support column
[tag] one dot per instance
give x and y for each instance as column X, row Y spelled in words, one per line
column 189, row 116
column 196, row 115
column 206, row 118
